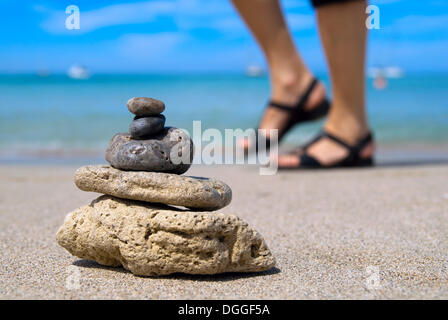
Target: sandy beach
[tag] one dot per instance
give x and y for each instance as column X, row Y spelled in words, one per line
column 136, row 84
column 330, row 232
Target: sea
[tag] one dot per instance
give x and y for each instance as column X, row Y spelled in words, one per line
column 55, row 115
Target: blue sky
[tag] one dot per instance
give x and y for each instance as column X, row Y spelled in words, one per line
column 198, row 36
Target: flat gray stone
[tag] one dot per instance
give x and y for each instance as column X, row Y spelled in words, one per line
column 156, row 187
column 145, row 126
column 141, row 106
column 168, row 151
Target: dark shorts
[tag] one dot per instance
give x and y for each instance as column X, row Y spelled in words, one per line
column 317, row 3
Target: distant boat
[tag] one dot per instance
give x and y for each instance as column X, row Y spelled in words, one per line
column 78, row 72
column 381, row 74
column 254, row 71
column 391, row 72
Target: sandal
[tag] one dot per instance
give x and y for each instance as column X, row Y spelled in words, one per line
column 297, row 113
column 352, row 160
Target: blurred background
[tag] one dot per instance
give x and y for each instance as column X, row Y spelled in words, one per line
column 63, row 92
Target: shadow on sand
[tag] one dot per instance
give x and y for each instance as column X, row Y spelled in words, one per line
column 228, row 276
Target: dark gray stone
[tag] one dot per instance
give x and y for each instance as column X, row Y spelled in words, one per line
column 141, row 106
column 142, row 127
column 160, row 153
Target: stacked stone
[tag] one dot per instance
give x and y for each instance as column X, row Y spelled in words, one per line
column 149, row 144
column 135, row 224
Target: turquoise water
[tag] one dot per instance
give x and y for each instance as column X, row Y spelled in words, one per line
column 60, row 113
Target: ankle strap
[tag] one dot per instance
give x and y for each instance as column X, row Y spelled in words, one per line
column 300, row 104
column 354, row 149
column 364, row 141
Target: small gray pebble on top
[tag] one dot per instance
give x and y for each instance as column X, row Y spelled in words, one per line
column 141, row 106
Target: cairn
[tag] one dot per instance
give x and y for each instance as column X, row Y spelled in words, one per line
column 139, row 223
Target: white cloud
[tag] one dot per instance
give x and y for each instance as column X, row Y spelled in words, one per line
column 140, row 12
column 149, row 45
column 186, row 14
column 231, row 23
column 221, row 23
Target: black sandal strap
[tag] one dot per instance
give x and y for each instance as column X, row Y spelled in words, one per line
column 354, row 149
column 363, row 142
column 297, row 112
column 299, row 105
column 308, row 161
column 319, row 136
column 336, row 139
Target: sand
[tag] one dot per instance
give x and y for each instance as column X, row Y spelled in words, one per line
column 330, row 231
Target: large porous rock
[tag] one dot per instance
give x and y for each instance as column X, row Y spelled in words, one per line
column 141, row 106
column 168, row 151
column 166, row 188
column 149, row 240
column 142, row 127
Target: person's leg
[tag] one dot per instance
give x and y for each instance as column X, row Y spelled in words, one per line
column 289, row 75
column 343, row 33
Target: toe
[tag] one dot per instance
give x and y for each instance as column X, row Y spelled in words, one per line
column 288, row 161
